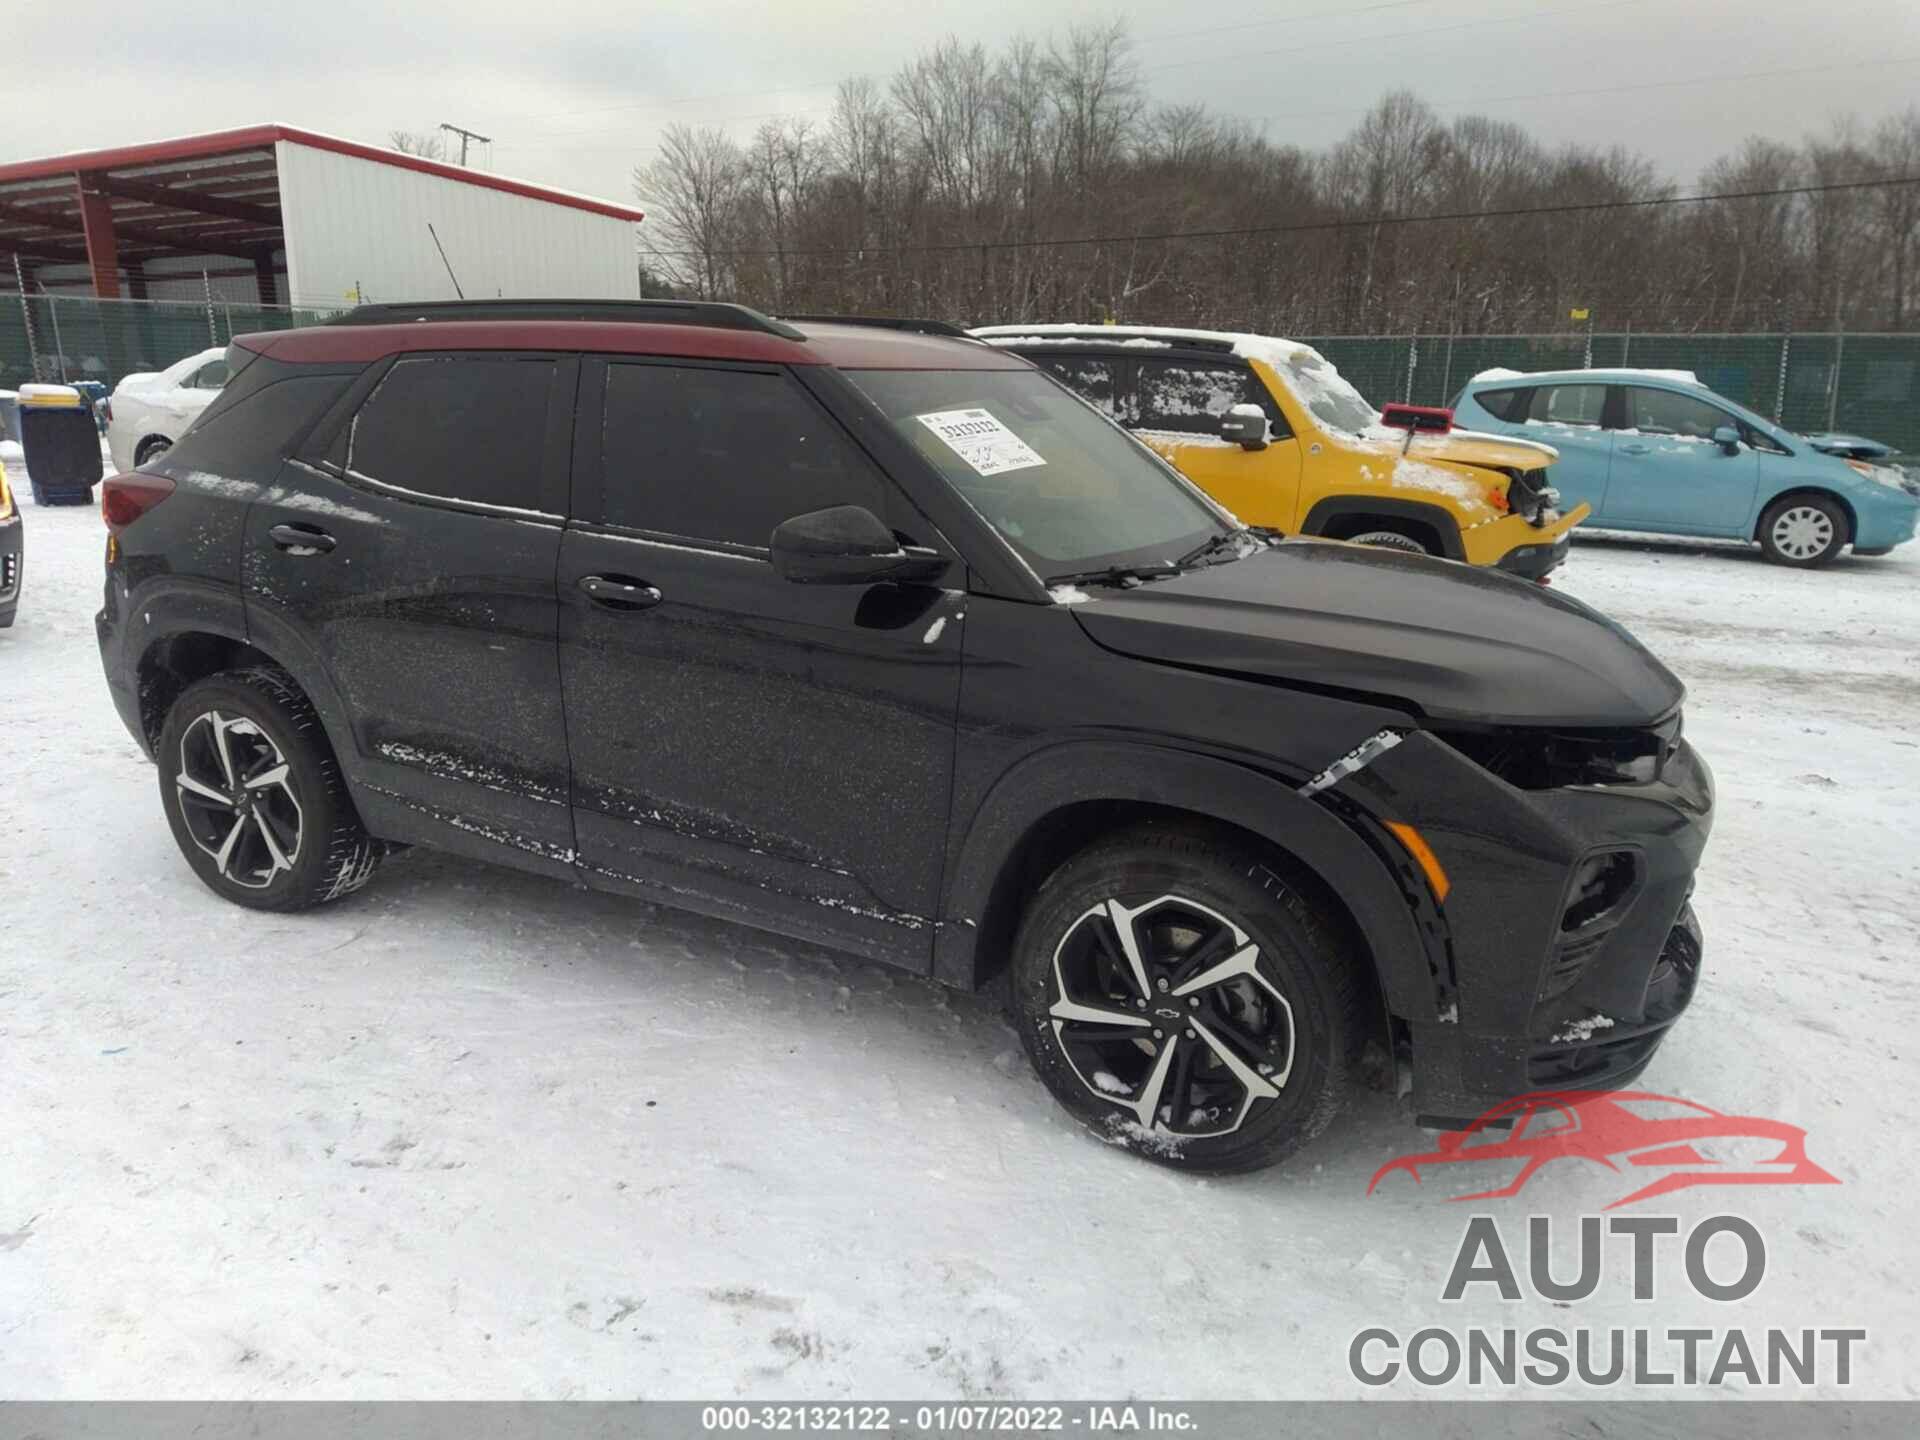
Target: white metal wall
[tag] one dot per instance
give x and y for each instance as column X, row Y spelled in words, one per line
column 354, row 224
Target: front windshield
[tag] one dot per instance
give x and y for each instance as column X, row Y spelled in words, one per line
column 1068, row 490
column 1325, row 391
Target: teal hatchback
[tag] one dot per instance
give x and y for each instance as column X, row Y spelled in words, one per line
column 1655, row 450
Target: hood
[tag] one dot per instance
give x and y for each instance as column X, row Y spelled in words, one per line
column 1450, row 641
column 1471, row 447
column 1849, row 447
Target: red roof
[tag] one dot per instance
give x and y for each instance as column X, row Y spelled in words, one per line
column 850, row 347
column 253, row 137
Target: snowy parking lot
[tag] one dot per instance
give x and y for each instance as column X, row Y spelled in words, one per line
column 471, row 1133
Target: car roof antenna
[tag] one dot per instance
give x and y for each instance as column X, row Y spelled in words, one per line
column 446, row 262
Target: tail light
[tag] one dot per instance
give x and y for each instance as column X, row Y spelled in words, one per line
column 125, row 498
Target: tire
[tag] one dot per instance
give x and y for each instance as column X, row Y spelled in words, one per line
column 1289, row 1013
column 1804, row 531
column 153, row 445
column 1389, row 540
column 294, row 841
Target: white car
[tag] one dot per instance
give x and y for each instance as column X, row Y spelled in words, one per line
column 152, row 409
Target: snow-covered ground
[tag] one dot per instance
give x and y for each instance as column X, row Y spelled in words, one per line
column 475, row 1134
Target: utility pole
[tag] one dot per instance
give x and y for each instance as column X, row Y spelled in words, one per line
column 465, row 136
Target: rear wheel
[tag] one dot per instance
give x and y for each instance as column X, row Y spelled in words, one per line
column 1803, row 531
column 1183, row 998
column 254, row 796
column 148, row 448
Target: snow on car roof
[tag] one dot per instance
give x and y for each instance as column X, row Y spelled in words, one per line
column 1269, row 348
column 1677, row 377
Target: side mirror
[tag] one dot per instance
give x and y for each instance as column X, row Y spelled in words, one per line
column 1245, row 426
column 847, row 545
column 1728, row 439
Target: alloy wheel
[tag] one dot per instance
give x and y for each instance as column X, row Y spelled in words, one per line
column 1162, row 1011
column 236, row 796
column 1802, row 532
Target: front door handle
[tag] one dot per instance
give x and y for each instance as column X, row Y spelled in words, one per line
column 301, row 539
column 1633, row 449
column 620, row 594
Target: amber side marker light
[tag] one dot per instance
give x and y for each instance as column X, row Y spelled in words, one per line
column 1422, row 853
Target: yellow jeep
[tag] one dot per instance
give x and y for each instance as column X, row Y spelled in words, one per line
column 1272, row 431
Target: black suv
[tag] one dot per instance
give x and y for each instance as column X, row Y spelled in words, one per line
column 874, row 635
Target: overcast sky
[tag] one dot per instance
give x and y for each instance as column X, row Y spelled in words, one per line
column 575, row 92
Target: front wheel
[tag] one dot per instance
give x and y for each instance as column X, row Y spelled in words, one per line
column 1390, row 540
column 1183, row 998
column 1803, row 531
column 254, row 795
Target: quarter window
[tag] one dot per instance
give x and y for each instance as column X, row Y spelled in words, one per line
column 1667, row 412
column 1189, row 397
column 211, row 376
column 722, row 454
column 458, row 427
column 1500, row 404
column 1568, row 404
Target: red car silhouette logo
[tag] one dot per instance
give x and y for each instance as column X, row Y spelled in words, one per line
column 1626, row 1131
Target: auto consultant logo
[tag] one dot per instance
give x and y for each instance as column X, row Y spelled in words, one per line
column 1657, row 1144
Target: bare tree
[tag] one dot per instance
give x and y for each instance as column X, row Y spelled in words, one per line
column 696, row 189
column 427, row 144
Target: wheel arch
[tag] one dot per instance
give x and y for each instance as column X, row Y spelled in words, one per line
column 1337, row 516
column 173, row 657
column 146, row 440
column 1052, row 804
column 1805, row 492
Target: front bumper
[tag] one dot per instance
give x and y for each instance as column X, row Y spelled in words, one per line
column 1534, row 562
column 1566, row 947
column 13, row 566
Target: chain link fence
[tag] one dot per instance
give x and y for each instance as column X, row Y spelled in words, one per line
column 1867, row 384
column 71, row 337
column 1862, row 384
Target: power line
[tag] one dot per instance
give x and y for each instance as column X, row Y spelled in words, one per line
column 663, row 103
column 1303, row 227
column 1383, row 38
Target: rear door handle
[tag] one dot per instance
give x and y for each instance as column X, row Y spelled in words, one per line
column 620, row 594
column 301, row 539
column 1633, row 449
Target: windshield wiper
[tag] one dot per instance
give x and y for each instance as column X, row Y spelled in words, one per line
column 1122, row 576
column 1208, row 550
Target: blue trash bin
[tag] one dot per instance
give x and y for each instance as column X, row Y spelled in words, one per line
column 60, row 443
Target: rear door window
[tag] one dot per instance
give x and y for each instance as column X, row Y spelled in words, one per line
column 722, row 455
column 470, row 428
column 1095, row 379
column 1568, row 404
column 1188, row 396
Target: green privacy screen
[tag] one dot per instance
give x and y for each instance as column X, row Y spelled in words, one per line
column 1866, row 384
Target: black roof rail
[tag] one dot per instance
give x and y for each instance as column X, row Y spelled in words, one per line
column 885, row 322
column 717, row 313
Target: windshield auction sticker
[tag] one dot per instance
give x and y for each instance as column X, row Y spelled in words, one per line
column 978, row 438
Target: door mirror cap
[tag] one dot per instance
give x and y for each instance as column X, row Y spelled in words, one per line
column 1728, row 439
column 1245, row 426
column 847, row 545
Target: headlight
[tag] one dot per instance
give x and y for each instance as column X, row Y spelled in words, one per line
column 6, row 495
column 1546, row 759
